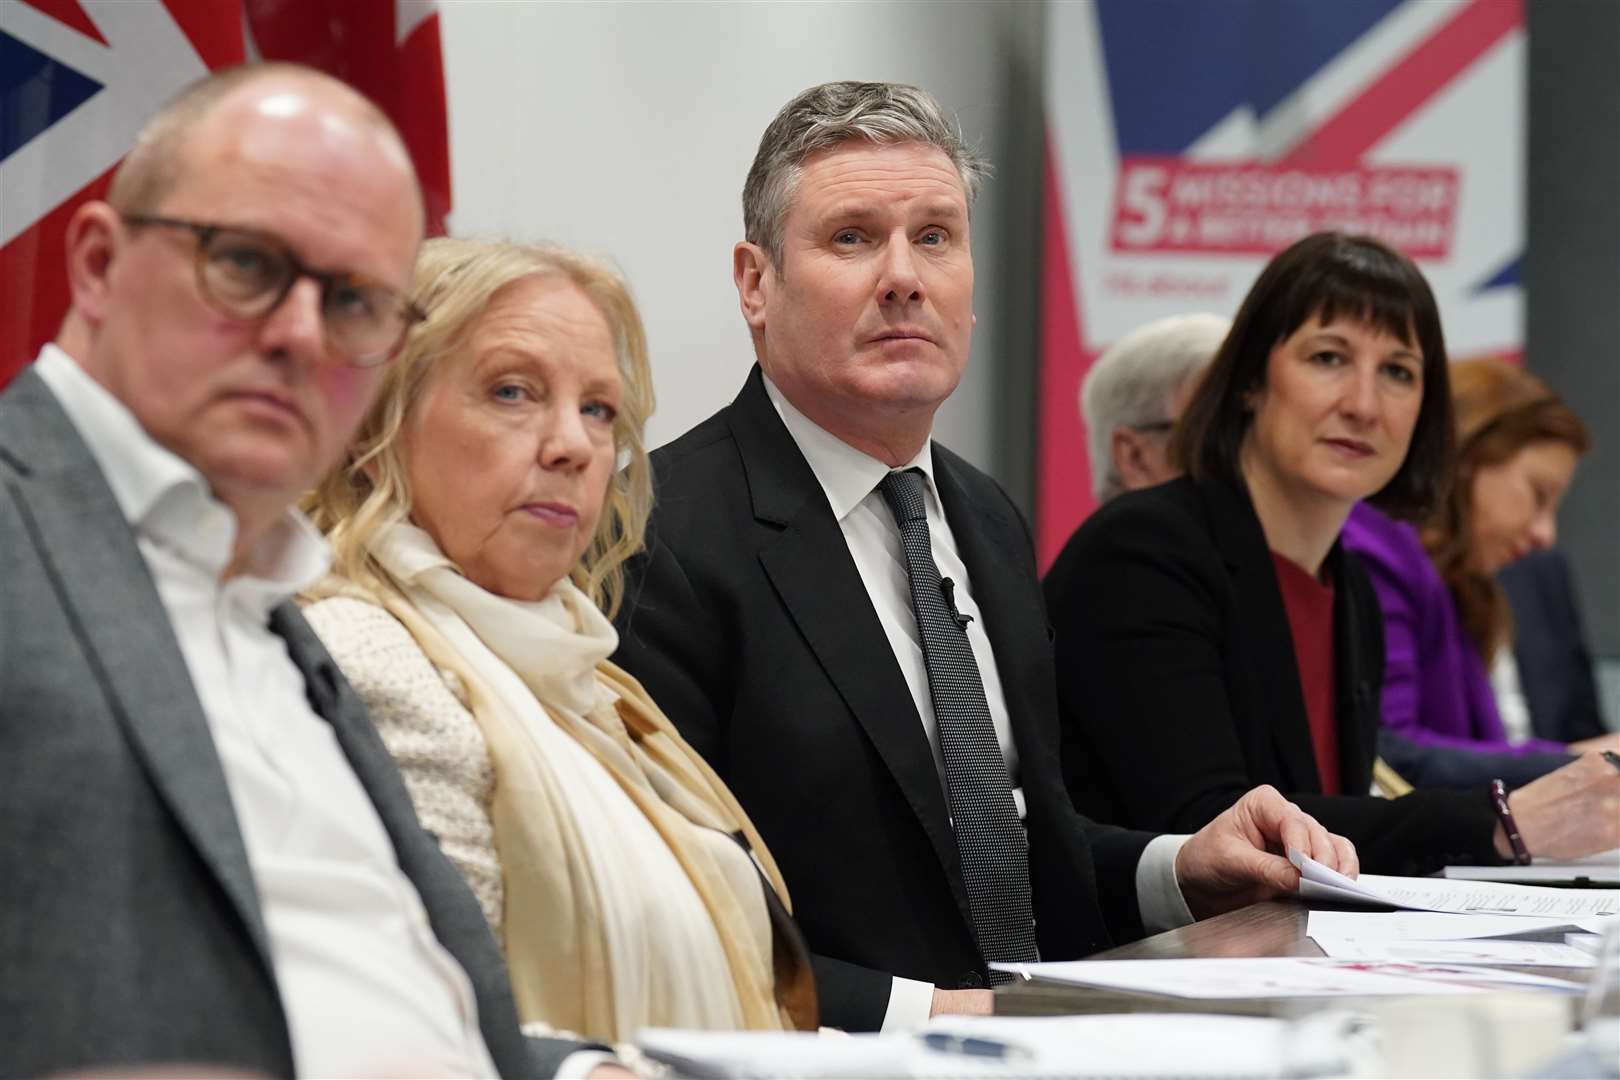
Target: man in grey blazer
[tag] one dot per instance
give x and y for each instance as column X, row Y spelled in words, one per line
column 206, row 854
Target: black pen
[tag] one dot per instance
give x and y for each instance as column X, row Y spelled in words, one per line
column 1612, row 758
column 973, row 1046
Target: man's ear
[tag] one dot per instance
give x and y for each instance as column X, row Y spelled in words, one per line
column 1126, row 448
column 751, row 272
column 95, row 236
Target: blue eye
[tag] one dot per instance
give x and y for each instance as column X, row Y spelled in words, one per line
column 601, row 410
column 1401, row 373
column 508, row 392
column 933, row 237
column 847, row 236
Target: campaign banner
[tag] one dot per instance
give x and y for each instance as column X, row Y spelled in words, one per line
column 79, row 78
column 1188, row 141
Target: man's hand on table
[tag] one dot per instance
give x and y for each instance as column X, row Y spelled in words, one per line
column 1241, row 857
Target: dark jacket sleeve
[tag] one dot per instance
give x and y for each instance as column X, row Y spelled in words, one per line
column 1164, row 725
column 1461, row 768
column 677, row 650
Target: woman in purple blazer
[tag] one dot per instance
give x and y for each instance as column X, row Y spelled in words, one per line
column 1445, row 618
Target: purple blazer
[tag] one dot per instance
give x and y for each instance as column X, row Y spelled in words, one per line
column 1436, row 690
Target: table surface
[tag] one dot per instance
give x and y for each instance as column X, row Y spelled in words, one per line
column 1271, row 928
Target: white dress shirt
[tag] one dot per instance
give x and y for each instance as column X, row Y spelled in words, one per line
column 367, row 988
column 849, row 478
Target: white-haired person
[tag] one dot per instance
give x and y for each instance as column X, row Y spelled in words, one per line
column 1132, row 395
column 479, row 527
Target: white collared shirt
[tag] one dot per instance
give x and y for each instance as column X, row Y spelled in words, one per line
column 849, row 478
column 367, row 988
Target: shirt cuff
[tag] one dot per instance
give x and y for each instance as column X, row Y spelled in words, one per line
column 910, row 1003
column 578, row 1065
column 1158, row 894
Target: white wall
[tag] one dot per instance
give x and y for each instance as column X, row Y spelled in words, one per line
column 626, row 129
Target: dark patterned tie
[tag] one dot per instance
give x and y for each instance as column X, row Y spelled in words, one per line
column 989, row 837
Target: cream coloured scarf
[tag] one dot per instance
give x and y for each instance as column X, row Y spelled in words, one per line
column 628, row 903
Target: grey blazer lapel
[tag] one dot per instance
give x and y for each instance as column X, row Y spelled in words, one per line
column 89, row 553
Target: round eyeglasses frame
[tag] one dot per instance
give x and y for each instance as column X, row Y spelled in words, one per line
column 374, row 350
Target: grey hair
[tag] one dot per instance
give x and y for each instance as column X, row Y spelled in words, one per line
column 829, row 115
column 1131, row 384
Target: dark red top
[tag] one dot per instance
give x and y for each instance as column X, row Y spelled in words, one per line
column 1310, row 619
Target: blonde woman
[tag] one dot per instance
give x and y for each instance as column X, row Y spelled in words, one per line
column 479, row 529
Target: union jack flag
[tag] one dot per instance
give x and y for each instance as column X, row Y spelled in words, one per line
column 79, row 78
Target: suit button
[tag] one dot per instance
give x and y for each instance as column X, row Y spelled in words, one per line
column 970, row 980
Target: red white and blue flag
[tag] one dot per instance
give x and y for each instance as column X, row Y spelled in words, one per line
column 79, row 78
column 1189, row 140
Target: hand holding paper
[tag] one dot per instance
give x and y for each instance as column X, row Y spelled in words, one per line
column 1237, row 859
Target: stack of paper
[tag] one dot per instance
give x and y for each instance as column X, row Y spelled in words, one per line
column 1282, row 977
column 1469, row 898
column 1476, row 923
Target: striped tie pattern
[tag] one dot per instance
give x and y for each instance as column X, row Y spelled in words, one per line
column 990, row 839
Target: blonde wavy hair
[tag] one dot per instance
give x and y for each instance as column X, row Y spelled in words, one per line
column 455, row 282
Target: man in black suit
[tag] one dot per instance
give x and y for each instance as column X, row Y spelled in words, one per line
column 844, row 617
column 208, row 857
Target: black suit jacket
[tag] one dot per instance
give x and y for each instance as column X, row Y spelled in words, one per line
column 130, row 925
column 1180, row 690
column 749, row 625
column 1555, row 666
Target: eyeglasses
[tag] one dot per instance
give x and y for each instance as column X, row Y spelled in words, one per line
column 246, row 275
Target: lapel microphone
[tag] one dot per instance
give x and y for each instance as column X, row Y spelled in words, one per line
column 957, row 617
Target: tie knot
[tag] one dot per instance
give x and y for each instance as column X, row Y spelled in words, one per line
column 903, row 491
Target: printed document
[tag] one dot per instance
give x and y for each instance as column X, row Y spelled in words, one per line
column 1281, row 976
column 1318, row 882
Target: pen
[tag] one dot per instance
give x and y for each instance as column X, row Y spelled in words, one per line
column 973, row 1046
column 1612, row 758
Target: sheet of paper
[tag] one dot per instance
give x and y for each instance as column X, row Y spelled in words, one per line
column 1487, row 951
column 1286, row 976
column 1443, row 925
column 1438, row 894
column 1587, row 943
column 1430, row 925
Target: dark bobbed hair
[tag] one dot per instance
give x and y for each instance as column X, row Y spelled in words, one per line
column 1327, row 274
